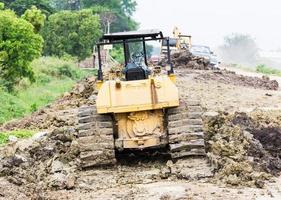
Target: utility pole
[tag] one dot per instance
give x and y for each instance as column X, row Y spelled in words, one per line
column 108, row 26
column 106, row 19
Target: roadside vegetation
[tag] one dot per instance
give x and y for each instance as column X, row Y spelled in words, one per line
column 4, row 136
column 268, row 70
column 53, row 77
column 263, row 69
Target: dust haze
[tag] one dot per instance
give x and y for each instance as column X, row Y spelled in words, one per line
column 209, row 22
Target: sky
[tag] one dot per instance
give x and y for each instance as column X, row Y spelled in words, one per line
column 208, row 21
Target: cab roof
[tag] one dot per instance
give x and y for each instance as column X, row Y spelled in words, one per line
column 147, row 34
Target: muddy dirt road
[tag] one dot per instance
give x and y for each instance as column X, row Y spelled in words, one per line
column 249, row 73
column 218, row 96
column 142, row 182
column 146, row 178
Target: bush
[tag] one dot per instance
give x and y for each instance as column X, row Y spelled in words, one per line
column 53, row 76
column 267, row 70
column 47, row 67
column 35, row 17
column 117, row 53
column 66, row 70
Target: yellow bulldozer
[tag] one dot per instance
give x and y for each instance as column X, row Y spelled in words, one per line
column 140, row 108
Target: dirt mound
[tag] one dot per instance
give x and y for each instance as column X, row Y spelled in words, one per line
column 238, row 145
column 229, row 77
column 244, row 148
column 270, row 138
column 49, row 162
column 185, row 59
column 60, row 113
column 44, row 161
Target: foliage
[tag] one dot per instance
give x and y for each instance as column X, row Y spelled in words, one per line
column 35, row 17
column 53, row 77
column 20, row 6
column 4, row 136
column 239, row 48
column 73, row 33
column 123, row 23
column 98, row 9
column 128, row 6
column 66, row 4
column 117, row 54
column 19, row 46
column 267, row 70
column 2, row 6
column 122, row 11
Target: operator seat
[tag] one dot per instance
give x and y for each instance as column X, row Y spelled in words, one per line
column 134, row 72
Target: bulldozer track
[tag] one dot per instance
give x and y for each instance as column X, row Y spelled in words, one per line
column 185, row 130
column 95, row 138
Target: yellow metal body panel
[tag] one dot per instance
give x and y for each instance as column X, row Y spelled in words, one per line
column 140, row 129
column 140, row 143
column 99, row 84
column 129, row 96
column 172, row 78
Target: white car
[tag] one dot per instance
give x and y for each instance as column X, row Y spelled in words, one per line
column 205, row 52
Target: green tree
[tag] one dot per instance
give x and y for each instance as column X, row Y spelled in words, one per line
column 121, row 10
column 20, row 6
column 112, row 4
column 66, row 4
column 35, row 17
column 19, row 46
column 121, row 21
column 239, row 48
column 73, row 33
column 128, row 6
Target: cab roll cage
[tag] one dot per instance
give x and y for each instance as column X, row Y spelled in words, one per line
column 125, row 39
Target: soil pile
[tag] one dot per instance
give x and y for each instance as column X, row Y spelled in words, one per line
column 48, row 160
column 244, row 148
column 229, row 77
column 185, row 59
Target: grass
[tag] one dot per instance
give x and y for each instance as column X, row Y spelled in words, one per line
column 4, row 136
column 53, row 76
column 268, row 70
column 263, row 69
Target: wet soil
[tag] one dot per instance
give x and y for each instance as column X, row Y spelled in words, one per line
column 243, row 151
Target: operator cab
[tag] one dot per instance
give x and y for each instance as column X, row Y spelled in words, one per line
column 135, row 64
